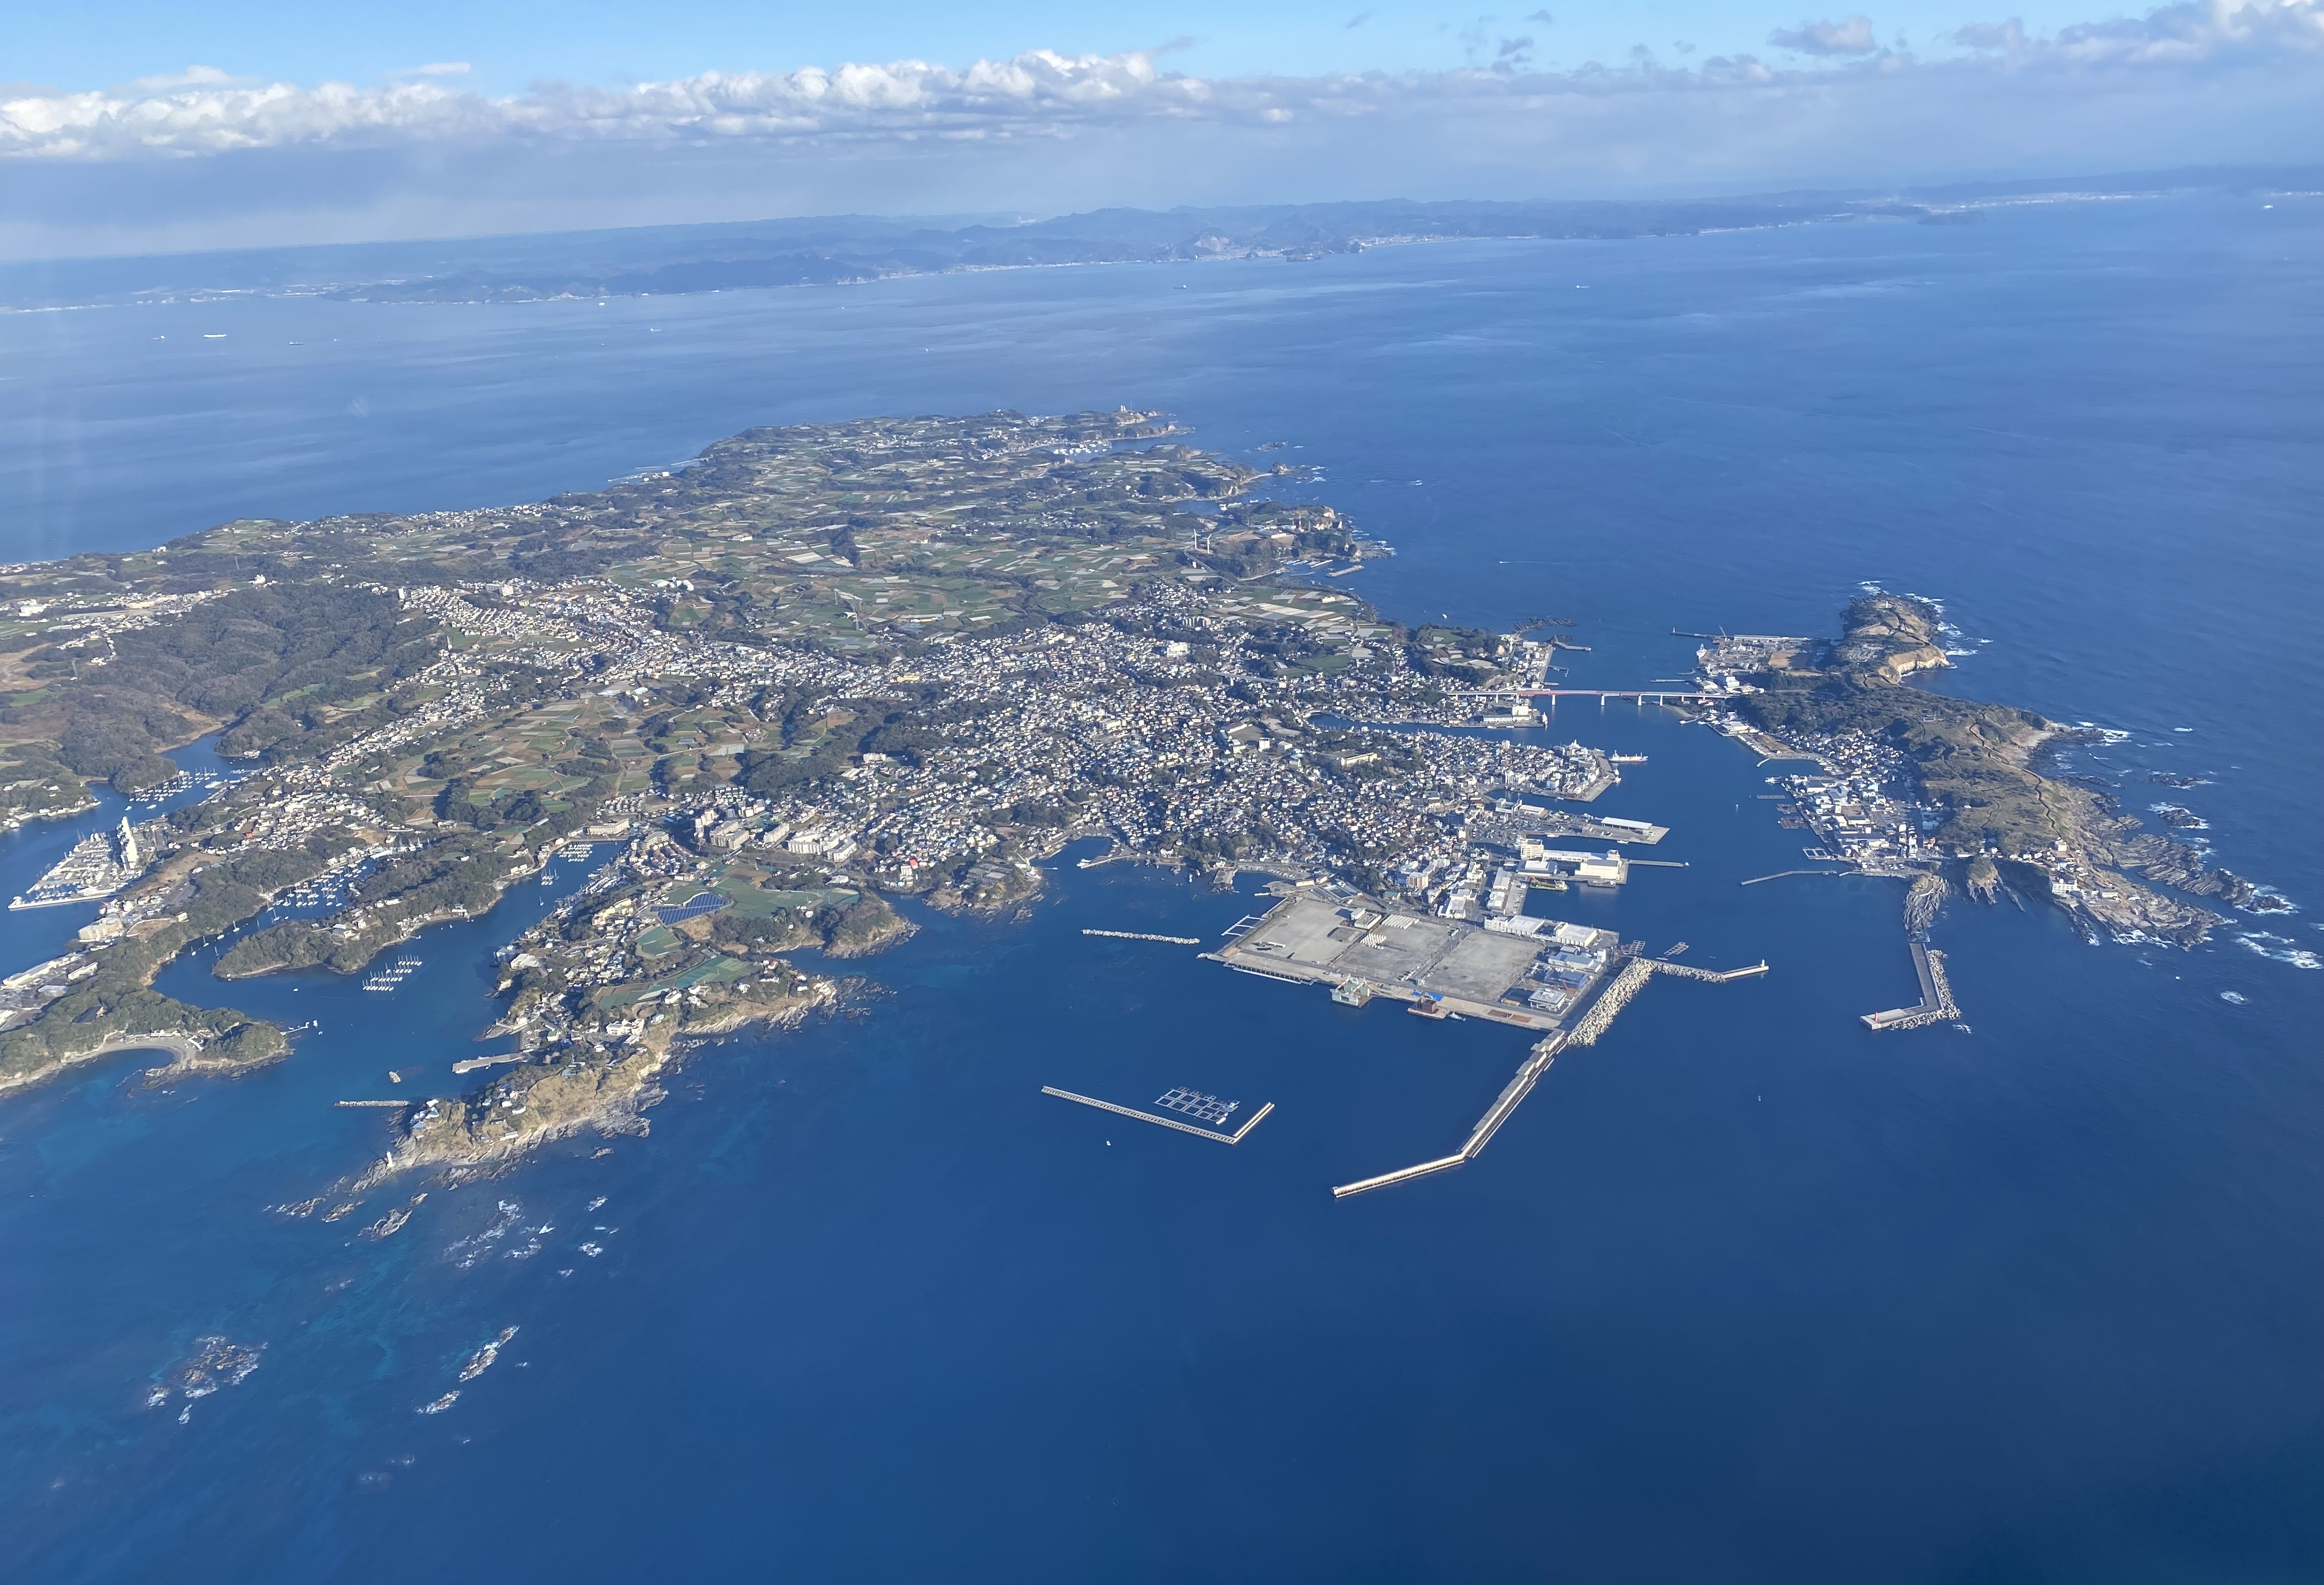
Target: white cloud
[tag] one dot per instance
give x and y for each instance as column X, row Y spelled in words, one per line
column 2191, row 34
column 1850, row 36
column 1045, row 94
column 193, row 77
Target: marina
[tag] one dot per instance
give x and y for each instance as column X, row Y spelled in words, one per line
column 389, row 979
column 98, row 865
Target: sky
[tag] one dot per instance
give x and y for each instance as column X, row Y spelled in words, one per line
column 134, row 125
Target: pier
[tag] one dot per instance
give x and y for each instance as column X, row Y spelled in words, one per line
column 1716, row 976
column 1146, row 1117
column 1936, row 1004
column 1142, row 936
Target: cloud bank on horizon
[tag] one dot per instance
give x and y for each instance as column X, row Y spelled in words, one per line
column 204, row 158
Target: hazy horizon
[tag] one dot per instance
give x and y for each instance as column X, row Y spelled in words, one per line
column 339, row 147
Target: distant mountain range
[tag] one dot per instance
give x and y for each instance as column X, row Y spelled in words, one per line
column 648, row 261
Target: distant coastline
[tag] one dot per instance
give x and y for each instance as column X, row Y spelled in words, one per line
column 857, row 250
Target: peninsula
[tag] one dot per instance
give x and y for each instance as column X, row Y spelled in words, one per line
column 816, row 670
column 769, row 694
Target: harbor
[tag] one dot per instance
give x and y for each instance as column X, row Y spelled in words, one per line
column 96, row 866
column 1567, row 981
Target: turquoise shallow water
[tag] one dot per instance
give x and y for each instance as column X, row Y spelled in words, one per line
column 1743, row 1293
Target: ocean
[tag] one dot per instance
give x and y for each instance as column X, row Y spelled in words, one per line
column 1744, row 1292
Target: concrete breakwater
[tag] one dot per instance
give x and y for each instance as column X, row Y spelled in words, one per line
column 1936, row 1004
column 1610, row 1001
column 1616, row 994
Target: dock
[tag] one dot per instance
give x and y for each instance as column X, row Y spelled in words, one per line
column 1146, row 1117
column 1142, row 936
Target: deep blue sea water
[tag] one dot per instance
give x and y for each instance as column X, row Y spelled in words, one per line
column 1745, row 1293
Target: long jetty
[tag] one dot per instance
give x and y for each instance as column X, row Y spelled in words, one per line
column 1595, row 1023
column 1528, row 1075
column 1142, row 936
column 1146, row 1117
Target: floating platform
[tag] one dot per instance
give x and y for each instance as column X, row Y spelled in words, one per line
column 1236, row 1138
